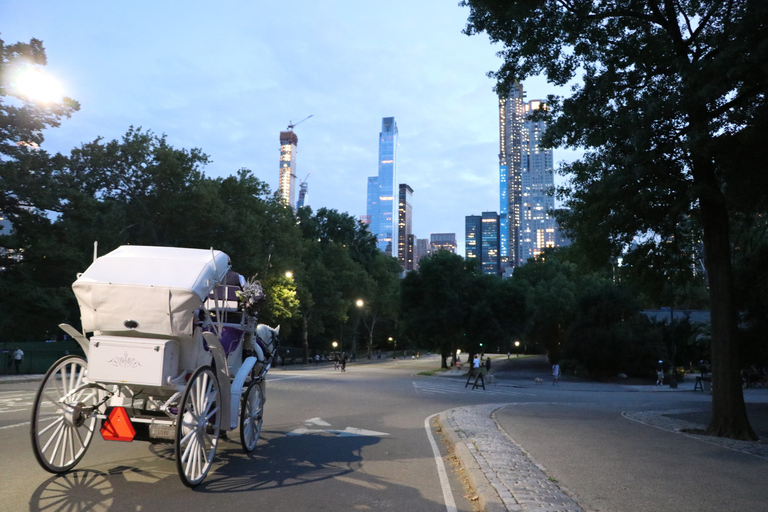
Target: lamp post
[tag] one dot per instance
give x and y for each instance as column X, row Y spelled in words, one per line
column 359, row 303
column 517, row 348
column 394, row 349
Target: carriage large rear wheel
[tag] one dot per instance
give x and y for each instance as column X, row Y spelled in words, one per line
column 197, row 426
column 251, row 416
column 63, row 420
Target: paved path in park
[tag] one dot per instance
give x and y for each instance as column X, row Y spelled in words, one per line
column 584, row 446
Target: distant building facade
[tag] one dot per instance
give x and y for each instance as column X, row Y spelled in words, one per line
column 538, row 228
column 381, row 204
column 473, row 229
column 482, row 241
column 442, row 241
column 421, row 250
column 405, row 238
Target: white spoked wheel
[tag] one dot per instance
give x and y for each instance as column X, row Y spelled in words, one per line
column 197, row 426
column 63, row 418
column 251, row 416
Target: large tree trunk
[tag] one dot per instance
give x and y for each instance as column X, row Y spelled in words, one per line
column 729, row 414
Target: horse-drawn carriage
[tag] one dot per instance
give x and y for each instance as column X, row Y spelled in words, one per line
column 174, row 353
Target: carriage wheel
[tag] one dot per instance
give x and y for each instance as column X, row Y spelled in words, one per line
column 251, row 416
column 197, row 426
column 62, row 428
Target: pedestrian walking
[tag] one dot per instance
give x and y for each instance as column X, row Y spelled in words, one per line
column 344, row 361
column 660, row 373
column 18, row 357
column 488, row 364
column 475, row 364
column 336, row 362
column 458, row 362
column 555, row 373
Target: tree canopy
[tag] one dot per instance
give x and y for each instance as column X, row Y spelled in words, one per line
column 671, row 101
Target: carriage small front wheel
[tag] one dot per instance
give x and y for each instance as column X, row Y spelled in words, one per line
column 251, row 416
column 197, row 426
column 63, row 419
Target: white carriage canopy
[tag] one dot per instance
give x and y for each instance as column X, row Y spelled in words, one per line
column 158, row 288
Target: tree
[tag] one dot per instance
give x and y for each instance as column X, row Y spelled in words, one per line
column 550, row 303
column 669, row 90
column 382, row 298
column 27, row 196
column 435, row 305
column 330, row 275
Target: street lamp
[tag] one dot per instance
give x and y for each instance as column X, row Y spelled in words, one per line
column 517, row 348
column 359, row 303
column 289, row 274
column 394, row 349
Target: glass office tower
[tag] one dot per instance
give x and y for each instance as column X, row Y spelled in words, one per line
column 490, row 247
column 382, row 208
column 482, row 241
column 511, row 117
column 405, row 226
column 473, row 227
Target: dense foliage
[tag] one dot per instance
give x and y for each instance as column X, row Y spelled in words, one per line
column 671, row 109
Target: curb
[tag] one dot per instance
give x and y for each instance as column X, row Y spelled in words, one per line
column 488, row 498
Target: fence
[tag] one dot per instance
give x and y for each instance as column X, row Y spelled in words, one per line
column 38, row 355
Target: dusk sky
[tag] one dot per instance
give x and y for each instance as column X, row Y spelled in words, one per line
column 228, row 76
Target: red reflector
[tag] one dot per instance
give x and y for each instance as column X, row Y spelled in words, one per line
column 117, row 426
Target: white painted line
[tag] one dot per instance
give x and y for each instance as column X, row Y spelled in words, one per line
column 450, row 504
column 16, row 425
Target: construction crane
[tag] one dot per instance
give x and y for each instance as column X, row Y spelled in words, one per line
column 291, row 124
column 303, row 190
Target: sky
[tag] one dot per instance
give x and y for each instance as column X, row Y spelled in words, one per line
column 228, row 76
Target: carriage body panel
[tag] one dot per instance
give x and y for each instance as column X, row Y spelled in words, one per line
column 138, row 361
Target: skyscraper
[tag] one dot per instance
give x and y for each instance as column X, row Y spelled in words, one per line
column 538, row 229
column 405, row 227
column 511, row 118
column 382, row 207
column 286, row 188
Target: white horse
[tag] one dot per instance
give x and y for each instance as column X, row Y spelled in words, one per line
column 266, row 341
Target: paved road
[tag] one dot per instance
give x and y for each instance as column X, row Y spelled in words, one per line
column 357, row 441
column 608, row 447
column 331, row 441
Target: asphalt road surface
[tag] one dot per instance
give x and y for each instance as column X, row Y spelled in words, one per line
column 330, row 441
column 358, row 441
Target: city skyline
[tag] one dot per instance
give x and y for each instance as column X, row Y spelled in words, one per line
column 347, row 65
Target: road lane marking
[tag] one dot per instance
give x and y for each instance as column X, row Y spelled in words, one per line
column 450, row 504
